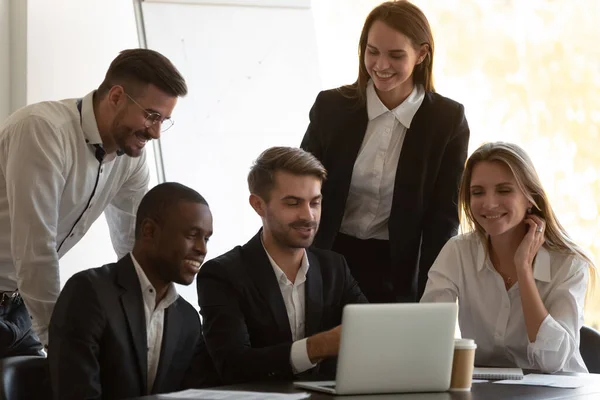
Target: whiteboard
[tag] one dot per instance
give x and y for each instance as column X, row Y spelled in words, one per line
column 252, row 74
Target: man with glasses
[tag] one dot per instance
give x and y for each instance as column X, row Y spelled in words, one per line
column 63, row 163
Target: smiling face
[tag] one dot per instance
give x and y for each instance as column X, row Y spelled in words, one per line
column 128, row 129
column 497, row 203
column 390, row 59
column 180, row 242
column 292, row 213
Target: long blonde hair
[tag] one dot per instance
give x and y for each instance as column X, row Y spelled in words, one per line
column 521, row 166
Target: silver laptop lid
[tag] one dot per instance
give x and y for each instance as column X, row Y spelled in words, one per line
column 391, row 348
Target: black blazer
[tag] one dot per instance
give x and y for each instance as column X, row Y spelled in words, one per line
column 246, row 326
column 97, row 339
column 424, row 211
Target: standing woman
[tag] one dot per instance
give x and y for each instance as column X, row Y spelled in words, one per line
column 394, row 151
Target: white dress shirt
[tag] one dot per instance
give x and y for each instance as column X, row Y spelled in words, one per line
column 155, row 319
column 494, row 317
column 371, row 192
column 48, row 171
column 294, row 299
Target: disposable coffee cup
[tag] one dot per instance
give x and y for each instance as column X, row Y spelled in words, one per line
column 462, row 364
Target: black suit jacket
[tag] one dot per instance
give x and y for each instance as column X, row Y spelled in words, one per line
column 424, row 211
column 97, row 339
column 246, row 326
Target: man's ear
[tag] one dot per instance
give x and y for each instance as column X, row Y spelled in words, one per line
column 116, row 97
column 149, row 229
column 258, row 204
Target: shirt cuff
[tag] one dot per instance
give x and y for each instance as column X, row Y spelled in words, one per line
column 547, row 353
column 299, row 357
column 549, row 337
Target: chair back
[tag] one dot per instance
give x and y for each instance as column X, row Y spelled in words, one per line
column 589, row 347
column 24, row 377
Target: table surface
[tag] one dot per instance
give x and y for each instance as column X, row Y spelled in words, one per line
column 479, row 391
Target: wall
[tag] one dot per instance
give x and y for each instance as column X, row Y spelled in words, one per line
column 4, row 59
column 253, row 75
column 69, row 46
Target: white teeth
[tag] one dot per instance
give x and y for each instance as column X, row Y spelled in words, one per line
column 383, row 74
column 492, row 216
column 193, row 263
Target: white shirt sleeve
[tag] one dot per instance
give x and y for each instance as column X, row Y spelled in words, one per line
column 558, row 337
column 299, row 357
column 120, row 214
column 34, row 183
column 444, row 276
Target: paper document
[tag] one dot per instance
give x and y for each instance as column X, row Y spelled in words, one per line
column 560, row 381
column 231, row 395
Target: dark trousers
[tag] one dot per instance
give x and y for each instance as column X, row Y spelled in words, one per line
column 370, row 263
column 16, row 335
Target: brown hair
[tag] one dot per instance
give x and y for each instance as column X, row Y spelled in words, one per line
column 136, row 67
column 407, row 19
column 290, row 159
column 521, row 166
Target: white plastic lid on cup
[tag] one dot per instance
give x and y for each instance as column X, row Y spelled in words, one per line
column 465, row 344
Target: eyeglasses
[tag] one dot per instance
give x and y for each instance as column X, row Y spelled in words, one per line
column 153, row 118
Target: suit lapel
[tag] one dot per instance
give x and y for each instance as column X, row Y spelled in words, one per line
column 261, row 271
column 313, row 296
column 411, row 159
column 171, row 333
column 346, row 140
column 354, row 130
column 133, row 307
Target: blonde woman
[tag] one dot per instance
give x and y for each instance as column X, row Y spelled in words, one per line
column 520, row 280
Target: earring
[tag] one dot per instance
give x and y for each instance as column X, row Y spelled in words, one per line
column 529, row 210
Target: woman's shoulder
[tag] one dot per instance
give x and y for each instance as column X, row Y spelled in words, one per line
column 466, row 245
column 564, row 262
column 343, row 98
column 468, row 239
column 441, row 103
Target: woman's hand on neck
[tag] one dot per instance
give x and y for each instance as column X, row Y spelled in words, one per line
column 503, row 248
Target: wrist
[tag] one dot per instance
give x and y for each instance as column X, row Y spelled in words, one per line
column 314, row 348
column 322, row 345
column 524, row 270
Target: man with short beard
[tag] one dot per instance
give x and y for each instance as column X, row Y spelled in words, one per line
column 122, row 330
column 63, row 163
column 272, row 308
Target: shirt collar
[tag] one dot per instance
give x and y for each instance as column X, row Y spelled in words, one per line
column 145, row 284
column 541, row 264
column 404, row 113
column 281, row 277
column 88, row 120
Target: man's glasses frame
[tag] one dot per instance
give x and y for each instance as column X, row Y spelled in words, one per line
column 153, row 118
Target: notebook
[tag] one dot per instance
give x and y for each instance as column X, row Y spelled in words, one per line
column 497, row 373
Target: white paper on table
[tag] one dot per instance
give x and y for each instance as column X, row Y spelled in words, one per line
column 560, row 381
column 231, row 395
column 479, row 381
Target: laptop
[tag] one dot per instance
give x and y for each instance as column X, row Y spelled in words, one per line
column 393, row 348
